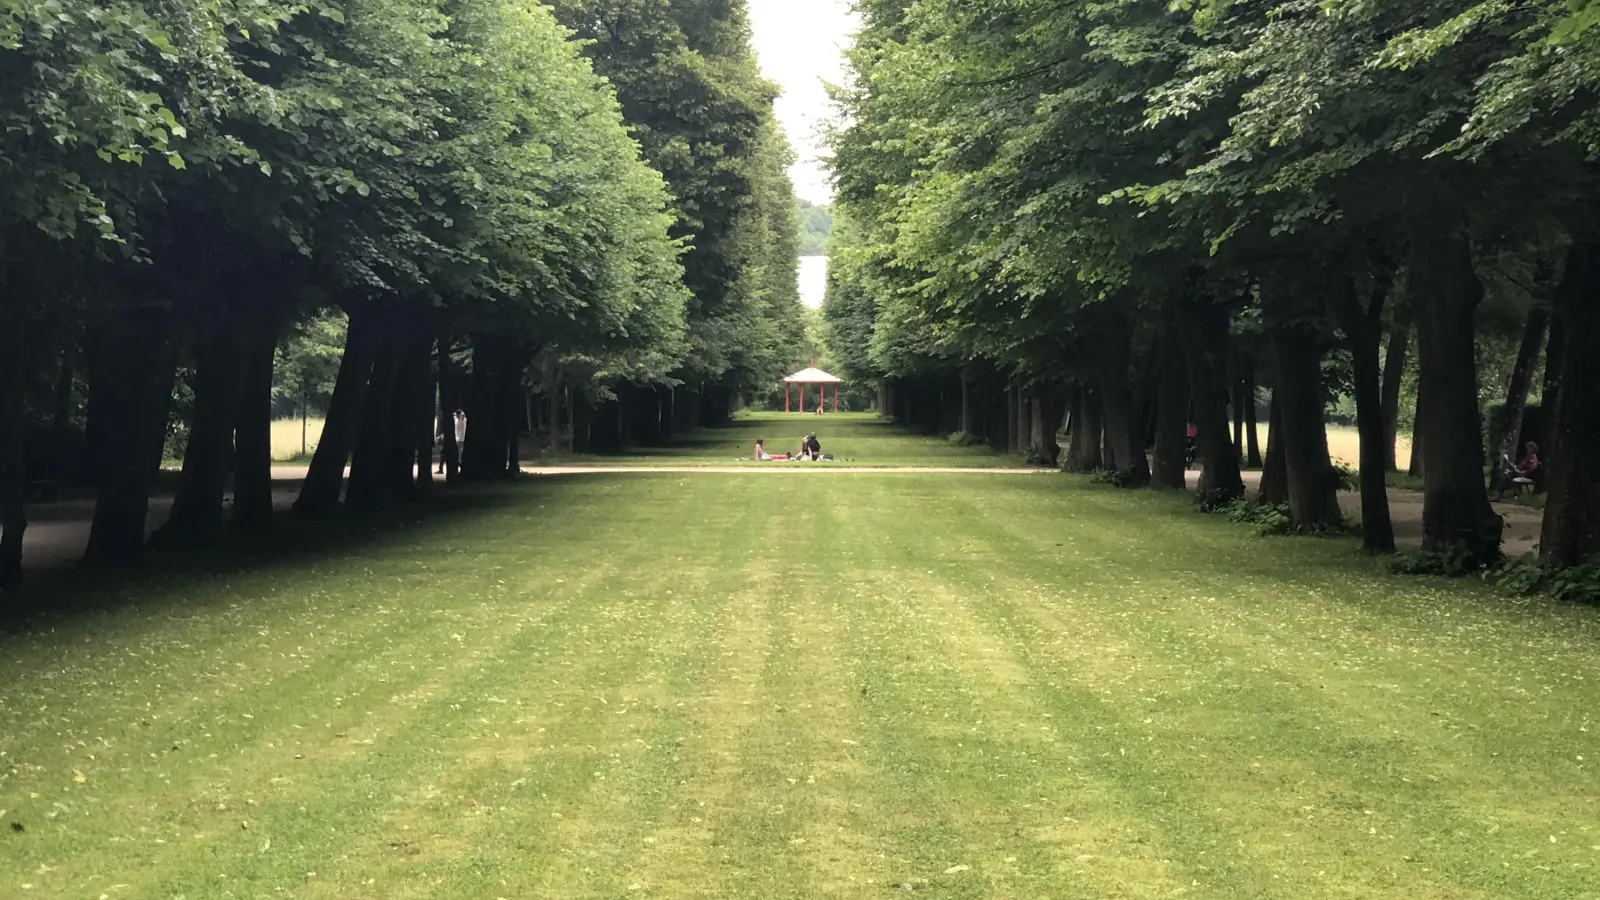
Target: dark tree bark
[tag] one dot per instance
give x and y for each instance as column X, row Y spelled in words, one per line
column 221, row 356
column 1123, row 428
column 1555, row 354
column 1363, row 329
column 132, row 362
column 1445, row 292
column 1394, row 368
column 368, row 488
column 1313, row 494
column 1172, row 414
column 1414, row 469
column 1533, row 337
column 1204, row 327
column 325, row 479
column 61, row 409
column 1274, row 490
column 1024, row 418
column 1571, row 534
column 422, row 418
column 1236, row 406
column 13, row 443
column 252, row 476
column 1089, row 438
column 1252, row 437
column 1049, row 409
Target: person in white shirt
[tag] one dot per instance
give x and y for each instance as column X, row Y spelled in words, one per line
column 760, row 454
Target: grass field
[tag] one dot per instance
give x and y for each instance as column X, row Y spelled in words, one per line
column 287, row 438
column 856, row 439
column 695, row 685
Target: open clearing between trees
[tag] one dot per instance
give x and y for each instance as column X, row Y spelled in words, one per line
column 699, row 685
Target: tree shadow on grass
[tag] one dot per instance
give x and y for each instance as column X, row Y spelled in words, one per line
column 170, row 578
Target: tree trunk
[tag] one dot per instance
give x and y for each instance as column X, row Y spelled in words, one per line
column 552, row 378
column 1172, row 414
column 1236, row 404
column 61, row 412
column 132, row 361
column 13, row 444
column 1533, row 335
column 1572, row 509
column 375, row 440
column 1048, row 411
column 1555, row 354
column 1252, row 436
column 1445, row 292
column 1394, row 368
column 1414, row 468
column 1094, row 425
column 1124, row 431
column 1313, row 494
column 422, row 418
column 325, row 479
column 966, row 402
column 1204, row 327
column 1274, row 489
column 252, row 476
column 220, row 359
column 1364, row 332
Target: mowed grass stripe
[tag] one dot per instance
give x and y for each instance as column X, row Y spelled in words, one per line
column 1343, row 753
column 309, row 811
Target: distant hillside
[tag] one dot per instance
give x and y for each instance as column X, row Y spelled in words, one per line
column 816, row 223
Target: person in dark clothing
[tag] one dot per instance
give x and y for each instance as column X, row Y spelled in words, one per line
column 811, row 448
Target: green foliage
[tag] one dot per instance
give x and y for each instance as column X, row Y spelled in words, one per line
column 816, row 227
column 1269, row 520
column 689, row 87
column 1453, row 564
column 1528, row 576
column 308, row 360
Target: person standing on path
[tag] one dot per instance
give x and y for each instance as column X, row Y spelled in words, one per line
column 458, row 420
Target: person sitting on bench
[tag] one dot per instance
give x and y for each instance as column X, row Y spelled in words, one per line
column 1521, row 474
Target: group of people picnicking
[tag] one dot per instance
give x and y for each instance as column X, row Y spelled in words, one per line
column 810, row 451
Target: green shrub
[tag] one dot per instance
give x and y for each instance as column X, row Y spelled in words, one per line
column 1269, row 519
column 1453, row 563
column 963, row 439
column 1528, row 575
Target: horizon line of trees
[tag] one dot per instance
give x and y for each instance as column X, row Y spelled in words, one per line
column 1132, row 216
column 493, row 199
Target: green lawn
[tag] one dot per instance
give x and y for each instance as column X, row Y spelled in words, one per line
column 856, row 439
column 697, row 685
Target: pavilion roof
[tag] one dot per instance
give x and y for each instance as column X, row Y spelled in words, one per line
column 812, row 375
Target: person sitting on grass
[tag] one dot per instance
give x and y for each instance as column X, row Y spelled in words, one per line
column 812, row 449
column 761, row 454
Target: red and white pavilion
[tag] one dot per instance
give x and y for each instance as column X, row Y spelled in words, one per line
column 812, row 377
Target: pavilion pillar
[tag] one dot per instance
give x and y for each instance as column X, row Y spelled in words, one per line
column 836, row 398
column 786, row 396
column 802, row 398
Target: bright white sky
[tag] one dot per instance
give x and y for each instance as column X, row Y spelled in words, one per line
column 799, row 43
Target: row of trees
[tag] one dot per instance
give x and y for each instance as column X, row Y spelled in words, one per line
column 1140, row 212
column 488, row 197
